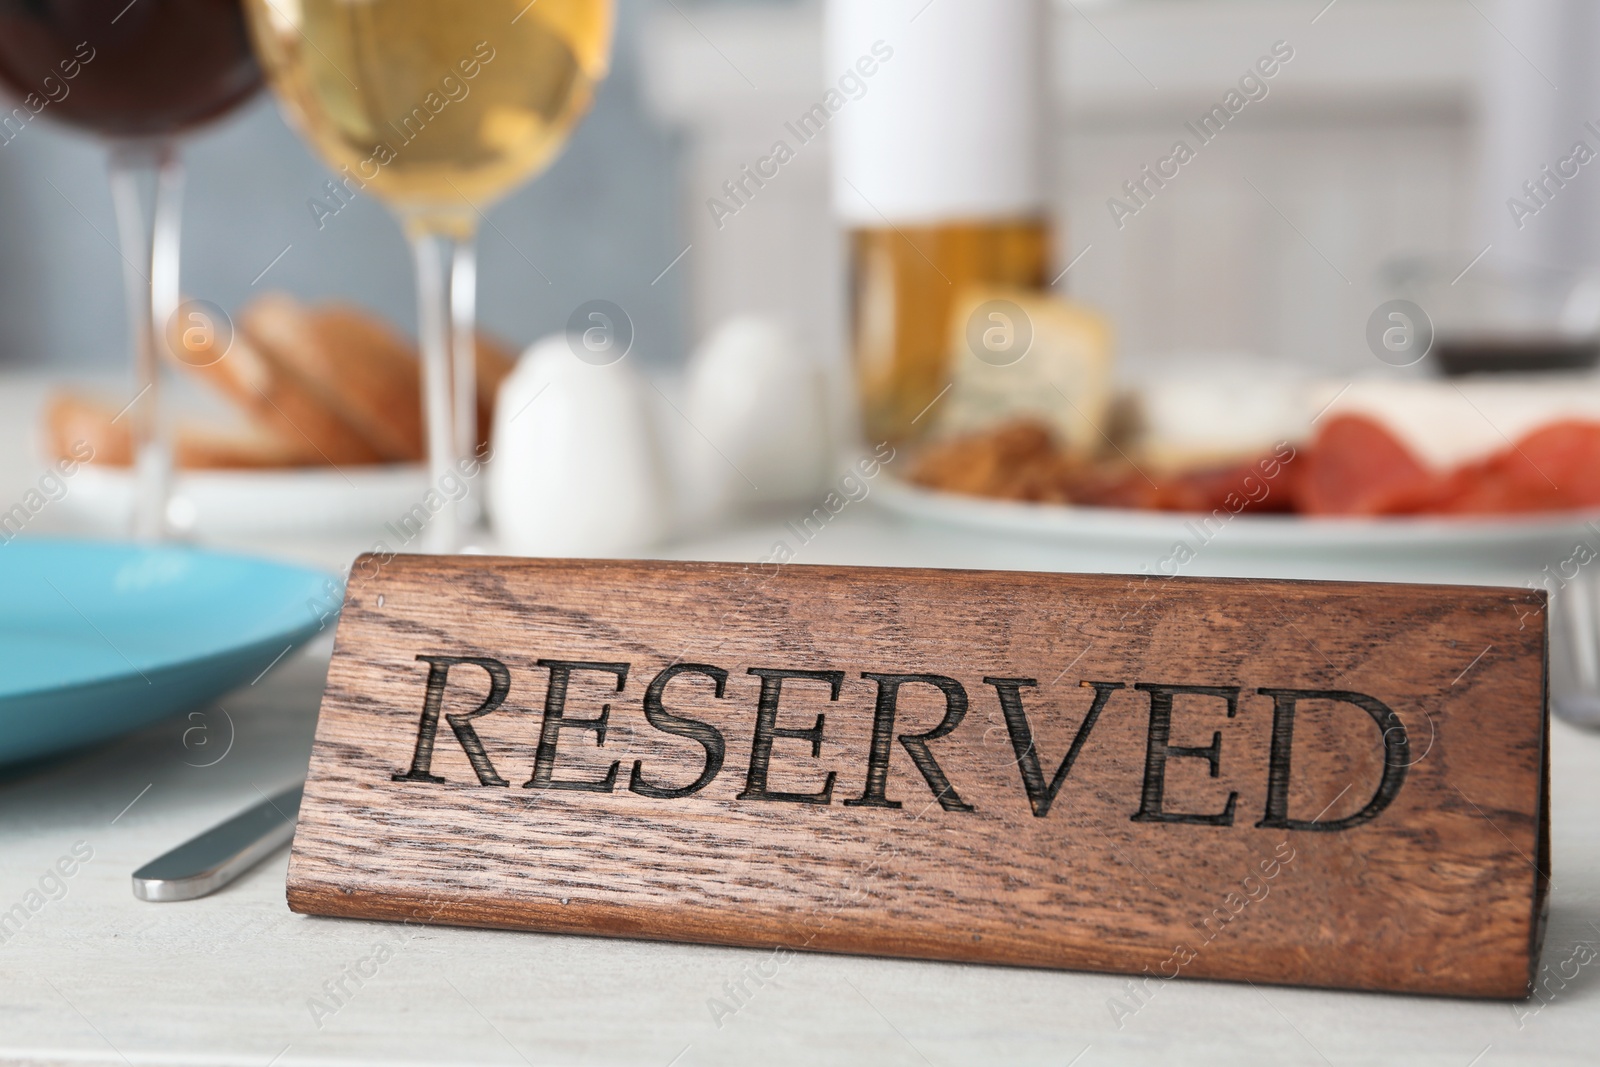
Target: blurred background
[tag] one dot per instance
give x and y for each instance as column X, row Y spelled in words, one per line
column 601, row 224
column 1042, row 343
column 1401, row 127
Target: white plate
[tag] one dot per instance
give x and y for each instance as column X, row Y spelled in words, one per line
column 250, row 502
column 1559, row 553
column 1513, row 550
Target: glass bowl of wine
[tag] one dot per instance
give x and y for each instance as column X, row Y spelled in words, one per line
column 438, row 110
column 1498, row 316
column 140, row 76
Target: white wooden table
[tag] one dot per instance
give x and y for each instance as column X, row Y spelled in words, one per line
column 97, row 976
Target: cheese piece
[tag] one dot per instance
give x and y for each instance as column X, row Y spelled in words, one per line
column 1018, row 353
column 1239, row 407
column 1216, row 409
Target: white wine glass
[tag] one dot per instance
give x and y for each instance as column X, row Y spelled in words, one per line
column 439, row 109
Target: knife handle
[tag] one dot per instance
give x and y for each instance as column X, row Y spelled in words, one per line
column 206, row 863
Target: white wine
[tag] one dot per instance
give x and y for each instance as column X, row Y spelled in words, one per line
column 904, row 282
column 938, row 176
column 437, row 108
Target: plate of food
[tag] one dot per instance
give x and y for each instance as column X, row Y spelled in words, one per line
column 98, row 639
column 1293, row 477
column 309, row 417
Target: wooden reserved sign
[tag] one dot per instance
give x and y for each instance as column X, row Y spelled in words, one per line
column 1325, row 784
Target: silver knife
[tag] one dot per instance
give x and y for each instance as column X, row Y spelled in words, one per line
column 206, row 863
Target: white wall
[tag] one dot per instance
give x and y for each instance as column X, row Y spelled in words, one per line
column 1363, row 149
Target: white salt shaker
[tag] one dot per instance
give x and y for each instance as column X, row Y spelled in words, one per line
column 576, row 469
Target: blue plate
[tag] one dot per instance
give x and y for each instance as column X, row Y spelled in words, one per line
column 99, row 639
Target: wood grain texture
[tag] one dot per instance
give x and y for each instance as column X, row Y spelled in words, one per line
column 1175, row 843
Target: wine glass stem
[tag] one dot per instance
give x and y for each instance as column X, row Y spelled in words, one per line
column 464, row 358
column 147, row 194
column 444, row 314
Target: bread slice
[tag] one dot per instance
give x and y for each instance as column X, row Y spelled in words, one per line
column 367, row 371
column 283, row 405
column 335, row 384
column 72, row 420
column 353, row 362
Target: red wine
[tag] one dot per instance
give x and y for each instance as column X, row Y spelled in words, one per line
column 143, row 69
column 1489, row 354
